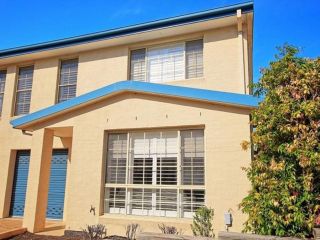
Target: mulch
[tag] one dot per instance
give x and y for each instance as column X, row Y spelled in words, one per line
column 31, row 236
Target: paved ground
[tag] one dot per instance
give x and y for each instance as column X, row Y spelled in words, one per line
column 14, row 225
column 7, row 224
column 10, row 227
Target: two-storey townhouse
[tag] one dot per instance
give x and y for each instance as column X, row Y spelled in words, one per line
column 140, row 124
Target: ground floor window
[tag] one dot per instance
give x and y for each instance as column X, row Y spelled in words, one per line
column 155, row 173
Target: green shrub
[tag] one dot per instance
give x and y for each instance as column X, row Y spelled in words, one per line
column 202, row 224
column 285, row 170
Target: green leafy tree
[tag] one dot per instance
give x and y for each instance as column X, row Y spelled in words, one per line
column 285, row 170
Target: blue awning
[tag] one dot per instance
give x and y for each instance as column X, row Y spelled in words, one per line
column 196, row 94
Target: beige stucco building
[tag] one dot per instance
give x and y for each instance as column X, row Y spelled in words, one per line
column 141, row 124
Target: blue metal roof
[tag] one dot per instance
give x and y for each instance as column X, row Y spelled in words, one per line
column 235, row 99
column 133, row 29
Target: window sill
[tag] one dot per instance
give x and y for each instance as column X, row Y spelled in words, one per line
column 145, row 218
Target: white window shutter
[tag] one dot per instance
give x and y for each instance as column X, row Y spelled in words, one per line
column 24, row 89
column 117, row 158
column 155, row 186
column 166, row 63
column 138, row 65
column 3, row 74
column 194, row 59
column 192, row 157
column 68, row 80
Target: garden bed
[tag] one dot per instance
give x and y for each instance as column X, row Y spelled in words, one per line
column 31, row 236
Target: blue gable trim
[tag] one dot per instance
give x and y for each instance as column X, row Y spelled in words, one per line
column 134, row 29
column 144, row 87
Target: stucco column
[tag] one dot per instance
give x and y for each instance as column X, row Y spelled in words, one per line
column 6, row 177
column 38, row 180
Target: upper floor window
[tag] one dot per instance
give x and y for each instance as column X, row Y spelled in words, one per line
column 167, row 63
column 2, row 86
column 68, row 80
column 24, row 88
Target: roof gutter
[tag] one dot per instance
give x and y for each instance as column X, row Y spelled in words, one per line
column 129, row 30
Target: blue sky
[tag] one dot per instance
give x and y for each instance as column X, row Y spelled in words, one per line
column 295, row 22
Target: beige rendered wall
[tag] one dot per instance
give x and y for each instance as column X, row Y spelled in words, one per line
column 225, row 127
column 43, row 95
column 98, row 68
column 10, row 143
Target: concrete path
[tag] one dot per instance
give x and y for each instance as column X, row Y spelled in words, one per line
column 10, row 227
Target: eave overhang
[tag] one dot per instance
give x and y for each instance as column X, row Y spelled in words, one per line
column 91, row 41
column 194, row 94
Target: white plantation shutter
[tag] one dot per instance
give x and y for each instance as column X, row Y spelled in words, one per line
column 140, row 168
column 167, row 171
column 68, row 80
column 2, row 87
column 192, row 157
column 141, row 164
column 115, row 200
column 154, row 185
column 155, row 143
column 167, row 158
column 150, row 143
column 117, row 158
column 138, row 65
column 166, row 202
column 24, row 88
column 191, row 201
column 141, row 201
column 167, row 144
column 153, row 158
column 166, row 63
column 141, row 171
column 194, row 59
column 138, row 144
column 192, row 143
